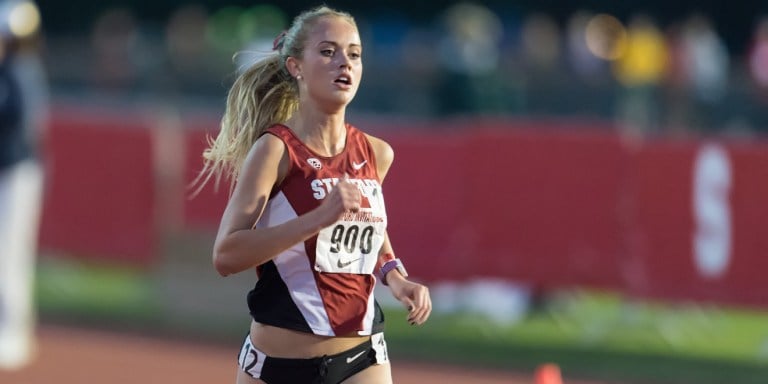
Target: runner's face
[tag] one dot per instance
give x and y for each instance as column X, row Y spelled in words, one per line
column 332, row 65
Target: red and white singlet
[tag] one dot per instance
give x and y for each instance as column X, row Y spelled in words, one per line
column 325, row 284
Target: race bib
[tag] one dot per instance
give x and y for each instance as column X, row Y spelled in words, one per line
column 352, row 244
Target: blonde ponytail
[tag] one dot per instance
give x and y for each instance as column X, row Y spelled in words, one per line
column 263, row 95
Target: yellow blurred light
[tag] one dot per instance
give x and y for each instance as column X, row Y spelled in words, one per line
column 24, row 19
column 606, row 37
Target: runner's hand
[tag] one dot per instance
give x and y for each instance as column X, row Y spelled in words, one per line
column 345, row 196
column 414, row 296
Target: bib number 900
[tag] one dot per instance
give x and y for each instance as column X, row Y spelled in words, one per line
column 350, row 238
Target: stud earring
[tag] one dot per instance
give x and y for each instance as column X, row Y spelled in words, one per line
column 298, row 77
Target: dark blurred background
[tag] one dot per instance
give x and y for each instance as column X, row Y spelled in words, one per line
column 682, row 65
column 735, row 20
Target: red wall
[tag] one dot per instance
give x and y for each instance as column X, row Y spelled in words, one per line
column 513, row 203
column 99, row 189
column 550, row 204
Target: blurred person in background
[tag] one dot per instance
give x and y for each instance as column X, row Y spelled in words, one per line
column 307, row 212
column 640, row 69
column 188, row 52
column 115, row 45
column 677, row 115
column 758, row 54
column 758, row 69
column 541, row 51
column 697, row 75
column 706, row 60
column 469, row 56
column 268, row 21
column 582, row 61
column 23, row 99
column 589, row 78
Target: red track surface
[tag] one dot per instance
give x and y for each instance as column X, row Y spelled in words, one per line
column 77, row 356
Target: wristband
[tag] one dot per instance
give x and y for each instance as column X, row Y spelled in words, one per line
column 384, row 258
column 389, row 266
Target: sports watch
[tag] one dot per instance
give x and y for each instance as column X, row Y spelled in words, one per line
column 389, row 266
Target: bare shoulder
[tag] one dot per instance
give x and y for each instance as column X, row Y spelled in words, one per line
column 266, row 162
column 265, row 147
column 268, row 143
column 385, row 155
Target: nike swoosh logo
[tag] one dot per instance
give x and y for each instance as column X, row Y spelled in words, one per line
column 357, row 166
column 344, row 264
column 353, row 358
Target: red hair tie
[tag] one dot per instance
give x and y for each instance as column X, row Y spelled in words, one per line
column 278, row 43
